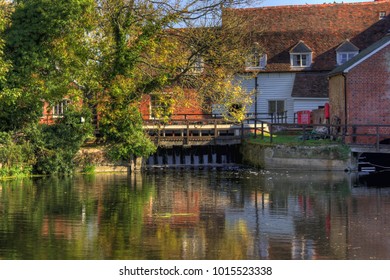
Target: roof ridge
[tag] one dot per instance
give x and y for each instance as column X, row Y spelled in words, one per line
column 311, row 5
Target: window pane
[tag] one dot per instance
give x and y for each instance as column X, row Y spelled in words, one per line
column 59, row 108
column 296, row 60
column 253, row 60
column 272, row 107
column 280, row 106
column 304, row 60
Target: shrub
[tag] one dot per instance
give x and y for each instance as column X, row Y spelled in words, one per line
column 55, row 146
column 16, row 155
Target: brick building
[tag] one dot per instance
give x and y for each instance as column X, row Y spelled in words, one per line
column 359, row 91
column 299, row 45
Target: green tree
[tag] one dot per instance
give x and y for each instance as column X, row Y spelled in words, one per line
column 141, row 51
column 45, row 44
column 46, row 52
column 4, row 66
column 107, row 54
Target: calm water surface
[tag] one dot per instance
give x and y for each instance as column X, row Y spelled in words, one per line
column 195, row 214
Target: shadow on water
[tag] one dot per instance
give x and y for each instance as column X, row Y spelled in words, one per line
column 195, row 156
column 380, row 179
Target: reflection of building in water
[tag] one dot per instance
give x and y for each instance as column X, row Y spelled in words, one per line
column 290, row 216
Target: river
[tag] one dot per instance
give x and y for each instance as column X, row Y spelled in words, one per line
column 182, row 214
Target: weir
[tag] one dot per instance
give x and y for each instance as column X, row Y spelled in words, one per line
column 195, row 156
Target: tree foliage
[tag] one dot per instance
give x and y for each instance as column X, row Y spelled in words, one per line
column 105, row 55
column 144, row 52
column 45, row 46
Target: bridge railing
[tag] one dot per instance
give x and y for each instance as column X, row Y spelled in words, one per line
column 189, row 127
column 280, row 117
column 374, row 136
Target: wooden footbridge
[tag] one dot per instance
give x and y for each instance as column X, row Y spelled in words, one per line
column 210, row 130
column 192, row 130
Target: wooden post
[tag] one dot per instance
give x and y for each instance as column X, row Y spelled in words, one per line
column 262, row 130
column 242, row 130
column 188, row 132
column 256, row 126
column 215, row 131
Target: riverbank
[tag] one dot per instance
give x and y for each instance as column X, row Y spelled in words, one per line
column 268, row 156
column 327, row 157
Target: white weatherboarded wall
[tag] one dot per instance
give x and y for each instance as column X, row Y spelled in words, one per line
column 272, row 86
column 278, row 86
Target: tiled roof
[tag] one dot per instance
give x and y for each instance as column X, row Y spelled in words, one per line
column 323, row 28
column 361, row 56
column 310, row 84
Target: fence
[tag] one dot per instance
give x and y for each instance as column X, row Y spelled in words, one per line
column 369, row 135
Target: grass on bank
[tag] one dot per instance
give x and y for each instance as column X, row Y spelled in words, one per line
column 332, row 146
column 309, row 139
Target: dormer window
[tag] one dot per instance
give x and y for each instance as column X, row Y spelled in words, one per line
column 345, row 52
column 256, row 59
column 301, row 55
column 196, row 65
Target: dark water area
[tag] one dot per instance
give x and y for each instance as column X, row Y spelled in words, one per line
column 181, row 214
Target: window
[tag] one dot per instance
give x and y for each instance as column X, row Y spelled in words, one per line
column 256, row 58
column 196, row 65
column 161, row 105
column 300, row 55
column 343, row 57
column 276, row 107
column 382, row 15
column 301, row 60
column 60, row 108
column 256, row 61
column 346, row 51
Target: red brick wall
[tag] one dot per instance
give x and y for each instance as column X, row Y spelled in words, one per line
column 186, row 105
column 368, row 93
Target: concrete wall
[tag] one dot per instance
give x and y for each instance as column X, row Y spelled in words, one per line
column 327, row 158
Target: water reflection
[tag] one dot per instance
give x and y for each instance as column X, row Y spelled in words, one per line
column 194, row 214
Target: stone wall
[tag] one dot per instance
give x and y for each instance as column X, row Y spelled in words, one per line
column 327, row 158
column 96, row 157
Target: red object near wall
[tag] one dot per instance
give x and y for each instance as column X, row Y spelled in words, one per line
column 304, row 117
column 327, row 111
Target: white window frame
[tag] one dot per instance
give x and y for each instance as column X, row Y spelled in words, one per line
column 343, row 57
column 59, row 108
column 277, row 110
column 382, row 15
column 197, row 65
column 297, row 60
column 256, row 61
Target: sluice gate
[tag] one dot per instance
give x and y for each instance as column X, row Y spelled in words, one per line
column 195, row 156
